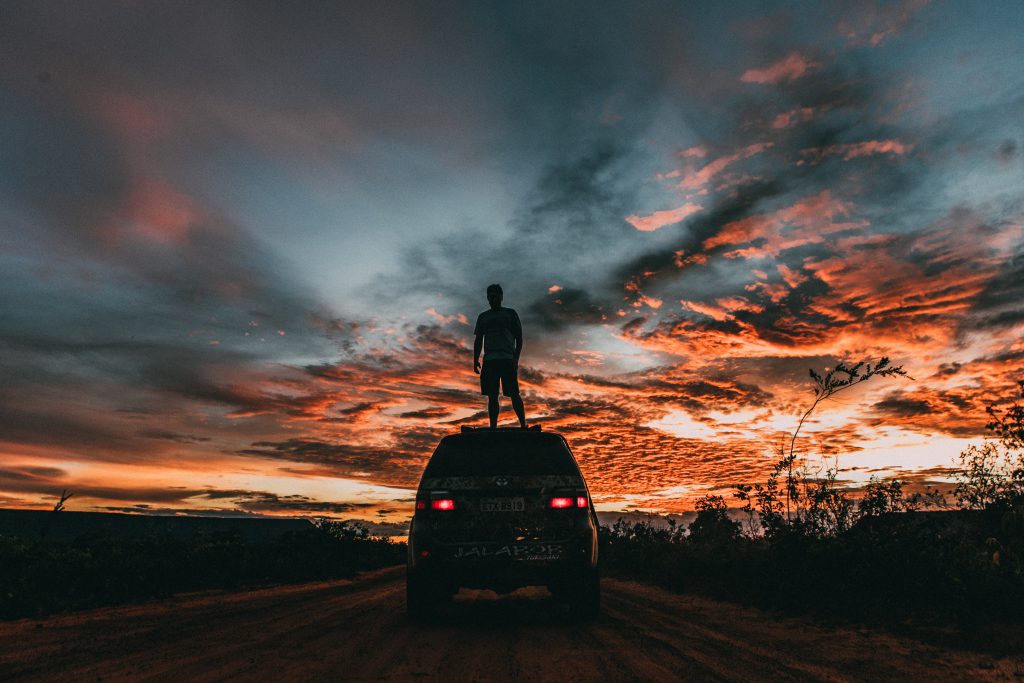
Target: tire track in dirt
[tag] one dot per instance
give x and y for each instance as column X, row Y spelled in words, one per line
column 358, row 631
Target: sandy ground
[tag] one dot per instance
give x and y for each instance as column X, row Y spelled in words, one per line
column 357, row 630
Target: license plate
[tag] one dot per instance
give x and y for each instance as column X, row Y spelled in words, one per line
column 502, row 504
column 515, row 551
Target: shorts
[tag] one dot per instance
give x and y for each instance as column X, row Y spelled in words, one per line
column 504, row 370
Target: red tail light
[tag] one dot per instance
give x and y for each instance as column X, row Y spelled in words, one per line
column 442, row 504
column 421, row 505
column 563, row 502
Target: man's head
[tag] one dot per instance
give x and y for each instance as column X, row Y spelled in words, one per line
column 494, row 295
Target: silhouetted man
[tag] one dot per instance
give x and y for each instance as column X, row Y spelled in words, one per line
column 500, row 334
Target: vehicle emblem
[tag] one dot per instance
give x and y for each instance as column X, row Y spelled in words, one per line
column 501, row 481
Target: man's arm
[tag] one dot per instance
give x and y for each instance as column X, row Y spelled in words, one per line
column 478, row 345
column 517, row 332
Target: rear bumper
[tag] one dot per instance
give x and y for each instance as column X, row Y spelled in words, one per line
column 503, row 566
column 502, row 576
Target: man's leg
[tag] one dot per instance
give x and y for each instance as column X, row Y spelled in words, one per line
column 492, row 409
column 517, row 405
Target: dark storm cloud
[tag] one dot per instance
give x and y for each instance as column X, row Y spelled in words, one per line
column 565, row 307
column 425, row 414
column 474, row 418
column 164, row 435
column 399, row 464
column 30, row 476
column 588, row 409
column 161, row 511
column 957, row 412
column 999, row 303
column 895, row 404
column 40, row 425
column 249, row 504
column 265, row 502
column 664, row 384
column 358, row 409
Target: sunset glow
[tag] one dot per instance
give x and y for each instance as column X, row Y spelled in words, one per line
column 240, row 264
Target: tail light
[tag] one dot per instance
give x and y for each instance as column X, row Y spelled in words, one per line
column 442, row 501
column 564, row 502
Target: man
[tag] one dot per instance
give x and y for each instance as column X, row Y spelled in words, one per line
column 500, row 334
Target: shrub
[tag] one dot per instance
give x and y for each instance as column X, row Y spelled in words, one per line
column 40, row 576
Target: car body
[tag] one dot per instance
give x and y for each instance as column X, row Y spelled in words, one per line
column 500, row 509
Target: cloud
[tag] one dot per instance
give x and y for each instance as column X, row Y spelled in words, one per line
column 566, row 306
column 447, row 319
column 701, row 177
column 792, row 117
column 695, row 152
column 809, row 220
column 264, row 502
column 660, row 219
column 789, row 68
column 855, row 150
column 425, row 414
column 398, row 463
column 871, row 23
column 173, row 203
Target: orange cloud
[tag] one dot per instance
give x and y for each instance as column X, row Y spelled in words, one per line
column 807, row 221
column 792, row 117
column 697, row 152
column 660, row 219
column 445, row 319
column 855, row 150
column 159, row 212
column 789, row 68
column 700, row 178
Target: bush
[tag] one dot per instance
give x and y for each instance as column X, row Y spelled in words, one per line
column 40, row 576
column 887, row 566
column 808, row 546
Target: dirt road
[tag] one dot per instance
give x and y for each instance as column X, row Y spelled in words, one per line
column 358, row 631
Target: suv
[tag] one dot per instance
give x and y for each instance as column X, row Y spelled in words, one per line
column 500, row 509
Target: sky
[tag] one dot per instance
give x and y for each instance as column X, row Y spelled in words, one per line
column 242, row 246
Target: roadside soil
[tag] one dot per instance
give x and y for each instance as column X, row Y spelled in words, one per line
column 358, row 631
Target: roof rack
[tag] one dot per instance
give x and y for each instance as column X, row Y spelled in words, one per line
column 531, row 428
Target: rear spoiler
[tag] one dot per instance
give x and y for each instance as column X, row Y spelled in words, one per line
column 467, row 428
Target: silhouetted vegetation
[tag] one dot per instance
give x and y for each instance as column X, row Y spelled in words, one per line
column 808, row 544
column 39, row 575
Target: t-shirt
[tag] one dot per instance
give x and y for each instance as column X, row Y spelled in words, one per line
column 499, row 327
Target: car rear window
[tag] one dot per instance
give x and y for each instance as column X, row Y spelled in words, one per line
column 482, row 457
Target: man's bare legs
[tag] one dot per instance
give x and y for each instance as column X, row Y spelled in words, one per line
column 517, row 405
column 492, row 410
